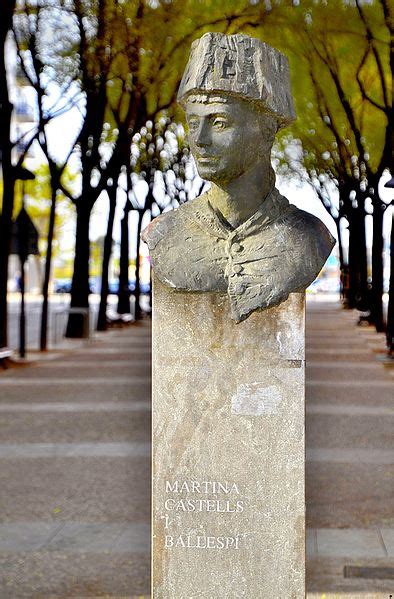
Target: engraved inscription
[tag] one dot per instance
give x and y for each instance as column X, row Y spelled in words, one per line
column 228, row 67
column 202, row 542
column 204, row 505
column 185, row 496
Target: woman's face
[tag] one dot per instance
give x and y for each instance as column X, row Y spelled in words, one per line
column 227, row 136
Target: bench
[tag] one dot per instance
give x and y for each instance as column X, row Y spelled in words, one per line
column 5, row 353
column 118, row 320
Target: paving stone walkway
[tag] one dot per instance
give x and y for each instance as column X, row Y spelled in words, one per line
column 350, row 457
column 75, row 467
column 75, row 472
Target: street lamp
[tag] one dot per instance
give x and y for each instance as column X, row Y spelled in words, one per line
column 24, row 242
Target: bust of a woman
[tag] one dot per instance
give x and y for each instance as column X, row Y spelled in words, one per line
column 241, row 236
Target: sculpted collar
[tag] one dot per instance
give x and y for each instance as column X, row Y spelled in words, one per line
column 252, row 252
column 273, row 206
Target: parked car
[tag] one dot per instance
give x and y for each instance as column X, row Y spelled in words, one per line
column 62, row 285
column 113, row 287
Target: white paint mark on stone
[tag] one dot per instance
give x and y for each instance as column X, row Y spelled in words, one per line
column 169, row 283
column 278, row 335
column 254, row 399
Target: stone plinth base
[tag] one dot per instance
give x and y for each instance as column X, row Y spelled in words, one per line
column 228, row 449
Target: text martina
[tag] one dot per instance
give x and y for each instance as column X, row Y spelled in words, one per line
column 221, row 506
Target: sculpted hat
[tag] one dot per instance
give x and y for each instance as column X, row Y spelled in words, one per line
column 240, row 66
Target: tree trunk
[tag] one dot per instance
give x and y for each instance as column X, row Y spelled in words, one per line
column 102, row 315
column 364, row 293
column 346, row 212
column 137, row 290
column 340, row 244
column 377, row 268
column 47, row 273
column 80, row 281
column 342, row 266
column 124, row 291
column 150, row 287
column 5, row 239
column 390, row 311
column 353, row 261
column 8, row 172
column 358, row 284
column 22, row 316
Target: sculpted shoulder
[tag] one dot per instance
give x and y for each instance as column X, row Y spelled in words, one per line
column 169, row 223
column 158, row 229
column 316, row 232
column 161, row 237
column 311, row 243
column 183, row 254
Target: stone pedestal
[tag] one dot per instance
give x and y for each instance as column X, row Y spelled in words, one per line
column 228, row 449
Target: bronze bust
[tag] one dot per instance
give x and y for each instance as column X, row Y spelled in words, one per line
column 241, row 236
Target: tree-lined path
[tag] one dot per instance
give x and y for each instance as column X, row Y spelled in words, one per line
column 75, row 466
column 75, row 472
column 350, row 455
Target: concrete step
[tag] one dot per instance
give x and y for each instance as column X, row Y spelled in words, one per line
column 33, row 390
column 350, row 431
column 79, row 575
column 91, row 488
column 69, row 427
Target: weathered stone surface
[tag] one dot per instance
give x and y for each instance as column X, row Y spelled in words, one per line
column 228, row 449
column 242, row 66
